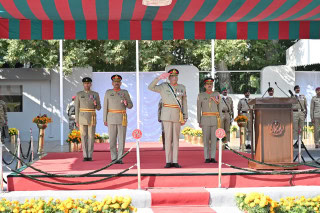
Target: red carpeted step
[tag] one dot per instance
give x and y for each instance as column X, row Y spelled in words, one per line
column 179, row 196
column 182, row 209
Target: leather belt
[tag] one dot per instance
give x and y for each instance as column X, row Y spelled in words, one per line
column 124, row 115
column 93, row 115
column 243, row 111
column 298, row 110
column 225, row 111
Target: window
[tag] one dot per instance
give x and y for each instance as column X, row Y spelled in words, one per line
column 12, row 95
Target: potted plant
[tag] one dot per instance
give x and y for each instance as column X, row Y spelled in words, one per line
column 186, row 133
column 199, row 135
column 241, row 120
column 42, row 123
column 13, row 132
column 97, row 138
column 105, row 138
column 74, row 141
column 233, row 131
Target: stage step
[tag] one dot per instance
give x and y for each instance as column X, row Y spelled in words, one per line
column 176, row 200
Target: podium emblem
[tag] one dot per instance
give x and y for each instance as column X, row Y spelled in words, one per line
column 276, row 128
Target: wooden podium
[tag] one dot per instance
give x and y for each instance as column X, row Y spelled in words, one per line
column 273, row 132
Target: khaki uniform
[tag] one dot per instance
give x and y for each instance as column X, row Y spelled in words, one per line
column 114, row 113
column 3, row 118
column 227, row 114
column 299, row 115
column 86, row 118
column 208, row 116
column 72, row 117
column 170, row 116
column 315, row 115
column 243, row 109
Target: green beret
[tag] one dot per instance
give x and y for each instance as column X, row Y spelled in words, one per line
column 223, row 89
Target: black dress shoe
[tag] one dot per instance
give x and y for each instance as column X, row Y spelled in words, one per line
column 120, row 162
column 89, row 159
column 213, row 160
column 168, row 165
column 248, row 146
column 176, row 165
column 207, row 161
column 85, row 159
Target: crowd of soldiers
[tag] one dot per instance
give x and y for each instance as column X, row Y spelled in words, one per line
column 214, row 110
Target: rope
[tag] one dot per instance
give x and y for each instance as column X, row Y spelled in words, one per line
column 269, row 164
column 11, row 161
column 312, row 171
column 69, row 176
column 28, row 153
column 4, row 180
column 78, row 183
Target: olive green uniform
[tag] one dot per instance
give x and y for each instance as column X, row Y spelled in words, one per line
column 208, row 116
column 114, row 113
column 170, row 117
column 244, row 109
column 299, row 115
column 87, row 119
column 3, row 118
column 315, row 115
column 227, row 114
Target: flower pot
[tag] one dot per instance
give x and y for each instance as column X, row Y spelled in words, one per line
column 42, row 128
column 233, row 134
column 200, row 141
column 74, row 147
column 186, row 138
column 242, row 123
column 105, row 140
column 189, row 137
column 13, row 142
column 193, row 139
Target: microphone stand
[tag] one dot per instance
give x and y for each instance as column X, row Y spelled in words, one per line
column 266, row 90
column 281, row 90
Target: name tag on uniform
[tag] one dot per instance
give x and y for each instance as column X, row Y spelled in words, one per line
column 111, row 94
column 82, row 97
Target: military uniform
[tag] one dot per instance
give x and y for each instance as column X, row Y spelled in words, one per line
column 3, row 118
column 227, row 114
column 171, row 115
column 299, row 115
column 208, row 116
column 72, row 116
column 315, row 115
column 86, row 118
column 114, row 113
column 244, row 109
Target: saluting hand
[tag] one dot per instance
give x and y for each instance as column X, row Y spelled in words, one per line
column 164, row 76
column 77, row 124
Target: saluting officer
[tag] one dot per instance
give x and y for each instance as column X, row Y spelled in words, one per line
column 86, row 104
column 315, row 116
column 227, row 112
column 208, row 116
column 244, row 109
column 174, row 113
column 299, row 113
column 116, row 102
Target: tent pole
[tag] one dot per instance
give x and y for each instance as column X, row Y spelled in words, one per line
column 61, row 91
column 212, row 59
column 138, row 112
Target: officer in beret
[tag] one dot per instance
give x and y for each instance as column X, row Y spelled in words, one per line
column 315, row 117
column 86, row 104
column 116, row 103
column 209, row 111
column 299, row 113
column 244, row 109
column 227, row 112
column 174, row 112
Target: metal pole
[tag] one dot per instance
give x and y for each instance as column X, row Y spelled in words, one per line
column 61, row 92
column 19, row 153
column 220, row 161
column 138, row 112
column 31, row 141
column 212, row 59
column 1, row 170
column 299, row 143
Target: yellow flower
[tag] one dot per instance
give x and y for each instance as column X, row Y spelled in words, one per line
column 252, row 205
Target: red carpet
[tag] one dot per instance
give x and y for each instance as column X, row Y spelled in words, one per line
column 194, row 172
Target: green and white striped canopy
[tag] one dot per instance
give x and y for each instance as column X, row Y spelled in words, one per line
column 183, row 19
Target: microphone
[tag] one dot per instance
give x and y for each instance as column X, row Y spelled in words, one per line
column 291, row 93
column 281, row 89
column 266, row 90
